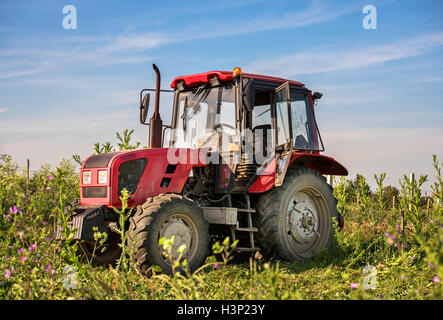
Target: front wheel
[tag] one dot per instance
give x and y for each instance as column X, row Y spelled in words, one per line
column 101, row 256
column 295, row 220
column 165, row 216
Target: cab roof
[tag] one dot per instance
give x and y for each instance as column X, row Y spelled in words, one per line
column 198, row 78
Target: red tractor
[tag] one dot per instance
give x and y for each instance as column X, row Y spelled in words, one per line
column 243, row 160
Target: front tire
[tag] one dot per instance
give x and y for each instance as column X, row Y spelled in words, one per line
column 101, row 256
column 295, row 220
column 165, row 216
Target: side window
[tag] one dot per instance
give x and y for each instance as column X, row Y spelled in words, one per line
column 261, row 115
column 300, row 122
column 281, row 105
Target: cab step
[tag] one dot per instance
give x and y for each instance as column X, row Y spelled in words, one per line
column 249, row 229
column 246, row 210
column 245, row 249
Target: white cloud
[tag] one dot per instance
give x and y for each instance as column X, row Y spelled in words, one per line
column 324, row 60
column 3, row 110
column 126, row 48
column 317, row 12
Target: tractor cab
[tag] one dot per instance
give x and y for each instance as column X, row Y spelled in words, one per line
column 206, row 102
column 245, row 120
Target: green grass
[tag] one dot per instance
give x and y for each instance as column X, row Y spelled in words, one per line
column 408, row 266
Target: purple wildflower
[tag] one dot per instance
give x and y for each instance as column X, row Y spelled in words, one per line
column 23, row 259
column 45, row 223
column 32, row 247
column 354, row 285
column 20, row 250
column 215, row 265
column 48, row 188
column 48, row 268
column 431, row 265
column 14, row 210
column 51, row 178
column 436, row 279
column 20, row 234
column 7, row 274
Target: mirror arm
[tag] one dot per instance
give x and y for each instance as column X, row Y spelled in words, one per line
column 165, row 126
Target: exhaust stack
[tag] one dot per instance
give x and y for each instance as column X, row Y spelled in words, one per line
column 156, row 123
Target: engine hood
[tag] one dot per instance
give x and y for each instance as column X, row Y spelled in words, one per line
column 143, row 172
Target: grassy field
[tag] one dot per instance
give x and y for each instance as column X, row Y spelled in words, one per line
column 375, row 256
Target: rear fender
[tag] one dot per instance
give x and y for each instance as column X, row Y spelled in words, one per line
column 323, row 164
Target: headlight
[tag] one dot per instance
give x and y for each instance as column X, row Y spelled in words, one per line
column 86, row 177
column 102, row 176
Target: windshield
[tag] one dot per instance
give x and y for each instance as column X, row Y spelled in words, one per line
column 201, row 113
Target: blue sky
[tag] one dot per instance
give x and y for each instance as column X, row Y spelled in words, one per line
column 382, row 110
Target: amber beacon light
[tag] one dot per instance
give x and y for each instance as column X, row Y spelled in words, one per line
column 236, row 72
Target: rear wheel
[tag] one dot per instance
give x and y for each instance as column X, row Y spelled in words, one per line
column 165, row 216
column 295, row 220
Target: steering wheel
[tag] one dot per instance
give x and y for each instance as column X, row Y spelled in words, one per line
column 218, row 125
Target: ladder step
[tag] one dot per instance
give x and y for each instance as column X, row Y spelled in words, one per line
column 251, row 229
column 243, row 249
column 246, row 210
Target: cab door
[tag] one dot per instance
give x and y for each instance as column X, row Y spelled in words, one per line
column 284, row 145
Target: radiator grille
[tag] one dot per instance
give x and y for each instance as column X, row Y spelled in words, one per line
column 94, row 192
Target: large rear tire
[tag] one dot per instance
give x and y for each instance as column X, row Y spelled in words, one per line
column 164, row 216
column 295, row 220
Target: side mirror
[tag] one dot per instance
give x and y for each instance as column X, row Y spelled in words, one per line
column 316, row 96
column 144, row 108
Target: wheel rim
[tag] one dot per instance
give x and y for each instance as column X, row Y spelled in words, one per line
column 185, row 233
column 307, row 217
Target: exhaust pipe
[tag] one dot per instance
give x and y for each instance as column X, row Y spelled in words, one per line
column 156, row 123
